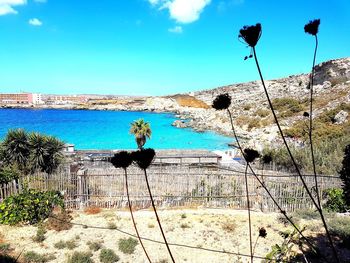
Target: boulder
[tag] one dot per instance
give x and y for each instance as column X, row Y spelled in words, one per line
column 340, row 117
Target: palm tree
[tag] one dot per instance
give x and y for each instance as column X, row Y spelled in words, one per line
column 142, row 131
column 38, row 151
column 16, row 149
column 53, row 156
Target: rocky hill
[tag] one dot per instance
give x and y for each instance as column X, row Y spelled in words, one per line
column 290, row 96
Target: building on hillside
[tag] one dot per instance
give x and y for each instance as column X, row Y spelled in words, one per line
column 63, row 99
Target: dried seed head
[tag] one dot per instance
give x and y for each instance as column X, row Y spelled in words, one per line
column 250, row 34
column 121, row 159
column 222, row 102
column 262, row 232
column 250, row 155
column 144, row 157
column 312, row 27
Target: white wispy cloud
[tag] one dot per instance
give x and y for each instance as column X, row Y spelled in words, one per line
column 35, row 22
column 182, row 11
column 153, row 2
column 176, row 29
column 6, row 6
column 225, row 5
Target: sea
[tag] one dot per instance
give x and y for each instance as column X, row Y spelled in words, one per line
column 91, row 129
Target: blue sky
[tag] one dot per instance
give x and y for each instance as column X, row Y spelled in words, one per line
column 159, row 47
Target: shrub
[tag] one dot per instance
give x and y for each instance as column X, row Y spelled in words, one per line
column 183, row 216
column 229, row 226
column 70, row 244
column 4, row 248
column 335, row 200
column 31, row 206
column 108, row 256
column 40, row 234
column 287, row 105
column 94, row 246
column 253, row 123
column 112, row 225
column 184, row 225
column 33, row 257
column 60, row 244
column 80, row 257
column 262, row 113
column 328, row 156
column 59, row 221
column 8, row 174
column 127, row 245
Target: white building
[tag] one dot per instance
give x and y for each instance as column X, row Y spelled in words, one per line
column 37, row 99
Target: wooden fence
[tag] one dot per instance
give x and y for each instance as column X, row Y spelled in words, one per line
column 173, row 185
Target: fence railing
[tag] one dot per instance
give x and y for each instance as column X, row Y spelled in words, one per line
column 174, row 185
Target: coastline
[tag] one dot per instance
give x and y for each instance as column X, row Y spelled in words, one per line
column 252, row 117
column 186, row 117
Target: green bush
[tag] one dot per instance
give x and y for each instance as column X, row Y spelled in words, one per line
column 40, row 234
column 8, row 174
column 335, row 200
column 70, row 244
column 328, row 156
column 31, row 207
column 127, row 245
column 80, row 257
column 33, row 257
column 108, row 256
column 287, row 106
column 60, row 244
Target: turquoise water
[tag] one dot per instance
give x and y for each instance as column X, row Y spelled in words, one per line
column 108, row 129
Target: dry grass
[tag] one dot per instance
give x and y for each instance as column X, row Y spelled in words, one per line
column 228, row 226
column 190, row 101
column 92, row 210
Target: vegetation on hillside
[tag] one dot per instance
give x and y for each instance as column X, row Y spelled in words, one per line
column 330, row 140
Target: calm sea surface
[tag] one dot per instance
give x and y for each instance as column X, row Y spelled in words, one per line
column 108, row 129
